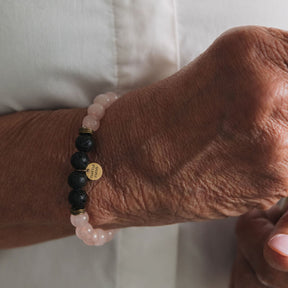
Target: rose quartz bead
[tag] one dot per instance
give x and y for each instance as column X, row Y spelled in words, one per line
column 89, row 242
column 79, row 220
column 99, row 237
column 95, row 236
column 96, row 110
column 90, row 122
column 102, row 100
column 106, row 99
column 84, row 232
column 112, row 96
column 110, row 234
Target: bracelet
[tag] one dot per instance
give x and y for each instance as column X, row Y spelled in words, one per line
column 85, row 171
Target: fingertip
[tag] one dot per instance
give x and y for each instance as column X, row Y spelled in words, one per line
column 279, row 243
column 276, row 252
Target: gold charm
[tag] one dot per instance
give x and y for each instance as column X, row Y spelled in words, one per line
column 94, row 171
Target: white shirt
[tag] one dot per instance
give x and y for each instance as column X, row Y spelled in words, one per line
column 60, row 54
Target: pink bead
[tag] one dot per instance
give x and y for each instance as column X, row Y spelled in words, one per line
column 110, row 234
column 84, row 232
column 102, row 100
column 112, row 96
column 95, row 237
column 106, row 99
column 90, row 122
column 79, row 220
column 96, row 111
column 99, row 237
column 89, row 242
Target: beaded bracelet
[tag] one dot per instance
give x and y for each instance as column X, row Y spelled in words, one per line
column 85, row 171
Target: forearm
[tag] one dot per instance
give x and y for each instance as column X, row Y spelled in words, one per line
column 206, row 143
column 36, row 147
column 145, row 145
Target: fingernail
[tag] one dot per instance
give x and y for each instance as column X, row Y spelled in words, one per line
column 279, row 243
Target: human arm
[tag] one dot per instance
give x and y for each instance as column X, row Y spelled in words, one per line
column 40, row 145
column 207, row 142
column 35, row 148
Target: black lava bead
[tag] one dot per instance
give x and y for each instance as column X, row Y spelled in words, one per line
column 77, row 198
column 84, row 142
column 77, row 179
column 79, row 160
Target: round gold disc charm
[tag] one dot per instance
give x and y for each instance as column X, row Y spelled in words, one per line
column 94, row 171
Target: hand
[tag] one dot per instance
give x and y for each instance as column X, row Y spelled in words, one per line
column 208, row 142
column 258, row 262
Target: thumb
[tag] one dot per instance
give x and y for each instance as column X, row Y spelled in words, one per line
column 276, row 248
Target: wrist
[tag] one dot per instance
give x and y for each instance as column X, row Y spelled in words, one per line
column 145, row 140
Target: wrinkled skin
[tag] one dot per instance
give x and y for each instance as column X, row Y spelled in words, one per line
column 205, row 143
column 256, row 264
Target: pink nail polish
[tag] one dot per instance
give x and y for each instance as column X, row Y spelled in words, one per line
column 279, row 243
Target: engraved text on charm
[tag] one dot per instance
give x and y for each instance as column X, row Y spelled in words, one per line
column 94, row 171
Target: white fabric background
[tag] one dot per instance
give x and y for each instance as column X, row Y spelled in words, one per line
column 60, row 54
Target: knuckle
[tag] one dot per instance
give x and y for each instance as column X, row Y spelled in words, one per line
column 267, row 45
column 239, row 40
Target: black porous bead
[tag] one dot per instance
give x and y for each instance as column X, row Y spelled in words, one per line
column 79, row 160
column 84, row 142
column 77, row 179
column 77, row 198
